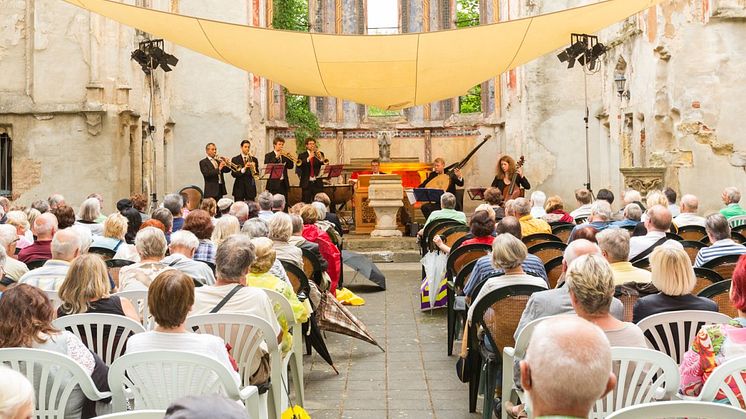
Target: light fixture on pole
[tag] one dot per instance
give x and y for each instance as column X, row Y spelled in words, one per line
column 620, row 81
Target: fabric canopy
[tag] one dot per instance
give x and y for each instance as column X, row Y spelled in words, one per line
column 386, row 71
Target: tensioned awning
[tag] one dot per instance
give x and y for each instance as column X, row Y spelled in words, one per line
column 387, row 71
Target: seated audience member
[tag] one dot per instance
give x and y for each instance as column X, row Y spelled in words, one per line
column 653, row 198
column 90, row 211
column 240, row 210
column 16, row 395
column 27, row 317
column 529, row 224
column 153, row 223
column 260, row 277
column 115, row 228
column 670, row 195
column 123, row 204
column 65, row 248
column 557, row 301
column 164, row 216
column 4, row 208
column 40, row 205
column 731, row 198
column 253, row 209
column 224, row 206
column 170, row 298
column 182, row 248
column 226, row 226
column 55, row 200
column 673, row 276
column 583, row 197
column 45, row 226
column 298, row 240
column 538, row 199
column 494, row 198
column 481, row 226
column 555, row 212
column 614, row 244
column 205, row 406
column 280, row 230
column 134, row 222
column 140, row 203
column 569, row 388
column 590, row 282
column 151, row 246
column 599, row 219
column 631, row 216
column 278, row 203
column 484, row 267
column 447, row 211
column 659, row 221
column 209, row 205
column 632, row 196
column 605, row 195
column 264, row 200
column 256, row 227
column 688, row 213
column 328, row 215
column 86, row 289
column 14, row 269
column 233, row 259
column 174, row 203
column 19, row 220
column 585, row 232
column 65, row 216
column 508, row 253
column 326, row 226
column 86, row 238
column 718, row 231
column 199, row 222
column 328, row 250
column 716, row 343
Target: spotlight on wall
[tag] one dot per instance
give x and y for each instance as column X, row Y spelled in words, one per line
column 620, row 81
column 151, row 55
column 585, row 49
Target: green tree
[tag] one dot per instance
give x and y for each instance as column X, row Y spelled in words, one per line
column 467, row 14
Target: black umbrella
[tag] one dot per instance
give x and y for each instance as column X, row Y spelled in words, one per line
column 316, row 339
column 364, row 266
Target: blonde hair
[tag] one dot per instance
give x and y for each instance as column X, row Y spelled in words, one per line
column 226, row 226
column 15, row 392
column 87, row 279
column 18, row 219
column 488, row 208
column 508, row 252
column 591, row 281
column 554, row 203
column 672, row 271
column 265, row 255
column 115, row 226
column 280, row 227
column 655, row 197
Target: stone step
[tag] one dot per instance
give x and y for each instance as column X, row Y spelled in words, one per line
column 365, row 243
column 388, row 256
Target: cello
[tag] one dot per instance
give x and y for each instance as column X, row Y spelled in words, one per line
column 511, row 191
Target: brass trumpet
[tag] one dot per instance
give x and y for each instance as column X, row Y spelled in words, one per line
column 291, row 157
column 320, row 155
column 252, row 167
column 233, row 166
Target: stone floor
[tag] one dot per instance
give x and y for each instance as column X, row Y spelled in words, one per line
column 414, row 378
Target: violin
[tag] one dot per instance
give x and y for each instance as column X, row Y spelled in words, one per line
column 511, row 191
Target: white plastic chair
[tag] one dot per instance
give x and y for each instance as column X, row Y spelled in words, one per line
column 139, row 299
column 643, row 375
column 678, row 409
column 510, row 355
column 737, row 221
column 658, row 329
column 54, row 297
column 732, row 370
column 154, row 379
column 54, row 377
column 296, row 354
column 135, row 414
column 90, row 328
column 245, row 333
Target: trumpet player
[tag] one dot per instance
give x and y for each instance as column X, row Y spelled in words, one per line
column 212, row 168
column 309, row 169
column 245, row 167
column 278, row 156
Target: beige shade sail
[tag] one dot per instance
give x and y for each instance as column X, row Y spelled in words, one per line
column 387, row 71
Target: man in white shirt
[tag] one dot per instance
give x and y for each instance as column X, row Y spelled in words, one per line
column 265, row 205
column 657, row 224
column 688, row 215
column 183, row 245
column 584, row 198
column 65, row 248
column 538, row 199
column 14, row 269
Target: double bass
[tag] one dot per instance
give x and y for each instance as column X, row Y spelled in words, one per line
column 512, row 191
column 442, row 181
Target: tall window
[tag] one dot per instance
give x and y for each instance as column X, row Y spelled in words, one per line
column 6, row 157
column 383, row 19
column 467, row 14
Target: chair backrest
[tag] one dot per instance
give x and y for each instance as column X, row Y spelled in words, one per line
column 643, row 375
column 452, row 234
column 674, row 236
column 737, row 221
column 580, row 220
column 719, row 292
column 36, row 264
column 553, row 269
column 54, row 298
column 536, row 238
column 113, row 266
column 439, row 230
column 139, row 299
column 692, row 232
column 547, row 251
column 135, row 414
column 678, row 409
column 104, row 334
column 499, row 313
column 739, row 229
column 463, row 255
column 156, row 378
column 738, row 237
column 521, row 344
column 673, row 332
column 692, row 248
column 311, row 266
column 628, row 297
column 642, row 264
column 463, row 275
column 427, row 231
column 282, row 306
column 243, row 332
column 54, row 377
column 727, row 380
column 456, row 244
column 562, row 231
column 105, row 252
column 724, row 265
column 297, row 277
column 705, row 278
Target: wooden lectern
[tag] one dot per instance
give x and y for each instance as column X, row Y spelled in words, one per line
column 365, row 216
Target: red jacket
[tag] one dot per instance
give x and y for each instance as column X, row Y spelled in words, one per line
column 328, row 250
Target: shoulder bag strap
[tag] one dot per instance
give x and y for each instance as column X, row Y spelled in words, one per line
column 226, row 298
column 642, row 255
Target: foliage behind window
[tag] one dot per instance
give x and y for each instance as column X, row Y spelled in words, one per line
column 467, row 14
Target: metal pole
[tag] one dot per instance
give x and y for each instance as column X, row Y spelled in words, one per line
column 587, row 139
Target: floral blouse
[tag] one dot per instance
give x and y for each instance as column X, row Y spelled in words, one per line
column 713, row 345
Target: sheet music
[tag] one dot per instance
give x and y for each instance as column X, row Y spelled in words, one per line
column 410, row 196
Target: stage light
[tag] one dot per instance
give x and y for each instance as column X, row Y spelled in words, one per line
column 150, row 55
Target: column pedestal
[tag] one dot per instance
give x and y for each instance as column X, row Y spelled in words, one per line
column 385, row 197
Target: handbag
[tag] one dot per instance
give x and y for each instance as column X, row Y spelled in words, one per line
column 463, row 364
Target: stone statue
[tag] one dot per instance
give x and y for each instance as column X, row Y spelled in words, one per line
column 384, row 145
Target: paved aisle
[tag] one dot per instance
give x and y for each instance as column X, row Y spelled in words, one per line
column 413, row 379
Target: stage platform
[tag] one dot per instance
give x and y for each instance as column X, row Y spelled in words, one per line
column 384, row 249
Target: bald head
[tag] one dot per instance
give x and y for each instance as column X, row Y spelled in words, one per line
column 66, row 245
column 659, row 218
column 45, row 226
column 689, row 203
column 578, row 248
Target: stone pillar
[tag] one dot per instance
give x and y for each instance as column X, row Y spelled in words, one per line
column 384, row 196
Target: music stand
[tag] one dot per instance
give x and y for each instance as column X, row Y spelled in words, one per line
column 427, row 195
column 330, row 171
column 476, row 194
column 273, row 171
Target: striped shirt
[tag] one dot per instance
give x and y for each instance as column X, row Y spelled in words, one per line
column 484, row 269
column 722, row 247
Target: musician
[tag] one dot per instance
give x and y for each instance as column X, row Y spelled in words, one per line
column 279, row 186
column 375, row 169
column 309, row 170
column 212, row 170
column 506, row 169
column 455, row 178
column 244, row 188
